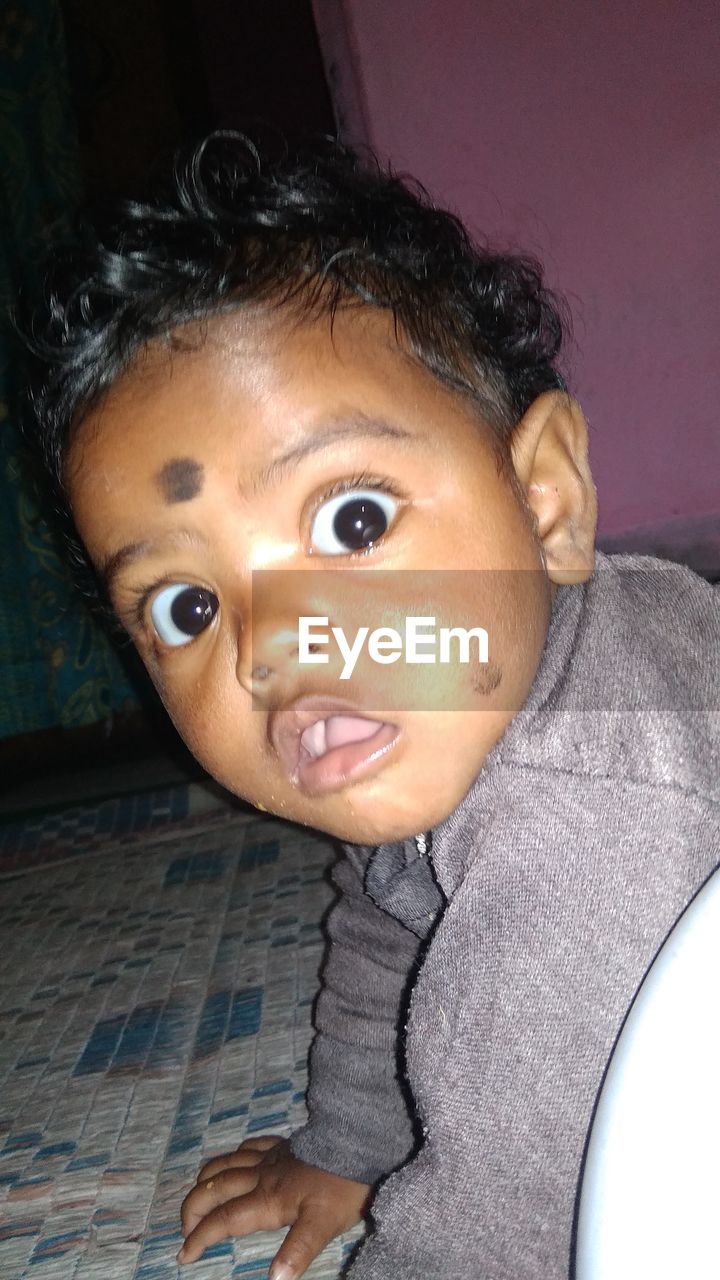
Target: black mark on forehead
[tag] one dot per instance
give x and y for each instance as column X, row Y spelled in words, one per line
column 180, row 480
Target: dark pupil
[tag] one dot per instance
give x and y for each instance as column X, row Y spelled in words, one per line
column 192, row 610
column 359, row 522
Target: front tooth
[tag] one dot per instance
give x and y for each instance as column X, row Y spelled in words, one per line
column 314, row 739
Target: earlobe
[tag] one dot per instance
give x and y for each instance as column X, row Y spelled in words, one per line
column 549, row 450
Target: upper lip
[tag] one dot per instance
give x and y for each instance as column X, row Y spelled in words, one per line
column 286, row 726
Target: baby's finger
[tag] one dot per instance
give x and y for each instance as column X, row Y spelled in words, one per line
column 241, row 1159
column 263, row 1142
column 227, row 1184
column 239, row 1217
column 306, row 1238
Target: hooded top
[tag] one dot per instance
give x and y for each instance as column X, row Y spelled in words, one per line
column 471, row 998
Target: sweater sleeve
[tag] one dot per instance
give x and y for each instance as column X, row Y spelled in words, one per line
column 359, row 1125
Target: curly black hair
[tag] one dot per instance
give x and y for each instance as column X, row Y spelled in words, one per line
column 322, row 229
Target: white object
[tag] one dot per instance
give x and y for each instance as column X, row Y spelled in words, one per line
column 650, row 1198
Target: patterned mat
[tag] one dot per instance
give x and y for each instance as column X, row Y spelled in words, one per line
column 155, row 999
column 26, row 843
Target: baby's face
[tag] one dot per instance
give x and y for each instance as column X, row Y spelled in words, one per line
column 271, row 446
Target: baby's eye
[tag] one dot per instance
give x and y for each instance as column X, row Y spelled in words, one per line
column 180, row 612
column 352, row 521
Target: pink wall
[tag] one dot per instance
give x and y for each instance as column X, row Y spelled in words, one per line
column 588, row 133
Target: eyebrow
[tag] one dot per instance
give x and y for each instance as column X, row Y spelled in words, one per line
column 359, row 426
column 133, row 551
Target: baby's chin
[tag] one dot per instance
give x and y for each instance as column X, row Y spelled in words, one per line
column 356, row 819
column 389, row 811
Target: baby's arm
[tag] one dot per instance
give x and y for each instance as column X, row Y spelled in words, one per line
column 358, row 1127
column 358, row 1123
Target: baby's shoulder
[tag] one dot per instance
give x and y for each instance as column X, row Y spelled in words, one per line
column 640, row 695
column 653, row 627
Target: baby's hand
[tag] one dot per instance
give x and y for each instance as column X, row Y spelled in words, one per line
column 260, row 1187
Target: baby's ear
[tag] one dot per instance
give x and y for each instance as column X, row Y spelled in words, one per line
column 549, row 450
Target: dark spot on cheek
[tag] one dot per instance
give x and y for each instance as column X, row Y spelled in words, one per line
column 487, row 679
column 180, row 480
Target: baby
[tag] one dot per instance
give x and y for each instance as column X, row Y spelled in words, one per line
column 286, row 401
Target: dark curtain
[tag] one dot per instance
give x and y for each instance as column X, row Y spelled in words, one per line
column 56, row 666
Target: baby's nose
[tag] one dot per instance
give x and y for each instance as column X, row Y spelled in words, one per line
column 272, row 647
column 270, row 651
column 272, row 654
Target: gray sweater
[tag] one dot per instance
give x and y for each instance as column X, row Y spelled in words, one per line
column 471, row 999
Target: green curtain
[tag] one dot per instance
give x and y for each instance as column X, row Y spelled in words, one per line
column 56, row 666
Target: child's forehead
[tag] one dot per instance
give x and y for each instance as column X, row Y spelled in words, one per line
column 282, row 345
column 249, row 358
column 238, row 390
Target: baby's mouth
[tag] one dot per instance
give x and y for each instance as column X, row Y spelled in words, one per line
column 325, row 743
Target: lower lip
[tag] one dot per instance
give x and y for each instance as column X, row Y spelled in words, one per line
column 349, row 763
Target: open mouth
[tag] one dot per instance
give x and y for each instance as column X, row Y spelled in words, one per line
column 324, row 743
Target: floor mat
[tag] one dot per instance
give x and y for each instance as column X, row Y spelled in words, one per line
column 155, row 1004
column 88, row 828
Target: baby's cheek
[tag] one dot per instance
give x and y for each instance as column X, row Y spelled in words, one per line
column 194, row 716
column 227, row 745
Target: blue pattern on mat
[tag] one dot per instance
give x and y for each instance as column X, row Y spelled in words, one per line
column 55, row 836
column 155, row 999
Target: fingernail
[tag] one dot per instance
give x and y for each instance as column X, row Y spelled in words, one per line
column 180, row 1257
column 281, row 1271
